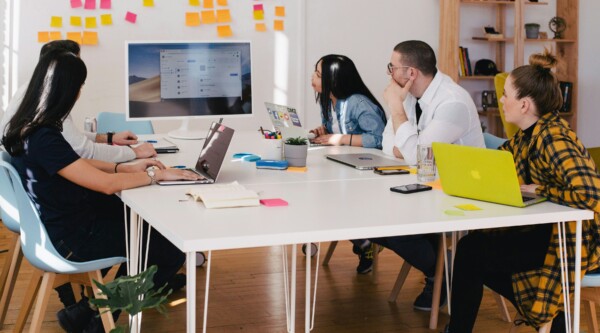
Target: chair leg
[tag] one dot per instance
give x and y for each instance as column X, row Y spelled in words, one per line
column 42, row 302
column 376, row 249
column 501, row 302
column 437, row 286
column 330, row 250
column 546, row 327
column 8, row 277
column 592, row 321
column 105, row 314
column 32, row 290
column 399, row 282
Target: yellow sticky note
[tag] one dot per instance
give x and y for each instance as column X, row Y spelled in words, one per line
column 194, row 2
column 259, row 15
column 90, row 22
column 192, row 19
column 222, row 3
column 90, row 38
column 56, row 21
column 452, row 212
column 278, row 25
column 208, row 17
column 436, row 184
column 224, row 31
column 209, row 4
column 297, row 169
column 74, row 36
column 55, row 35
column 148, row 3
column 279, row 11
column 106, row 19
column 76, row 21
column 467, row 207
column 43, row 37
column 260, row 27
column 223, row 16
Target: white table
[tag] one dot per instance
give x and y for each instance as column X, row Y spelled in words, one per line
column 329, row 202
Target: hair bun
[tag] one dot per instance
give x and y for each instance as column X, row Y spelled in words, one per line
column 545, row 60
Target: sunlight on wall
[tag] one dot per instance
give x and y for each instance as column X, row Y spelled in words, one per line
column 9, row 10
column 282, row 68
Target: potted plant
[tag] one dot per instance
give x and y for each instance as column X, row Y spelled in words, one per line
column 295, row 151
column 532, row 30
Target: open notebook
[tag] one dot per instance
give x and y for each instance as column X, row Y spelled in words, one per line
column 224, row 195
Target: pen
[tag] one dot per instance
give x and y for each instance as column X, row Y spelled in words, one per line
column 262, row 130
column 151, row 141
column 177, row 166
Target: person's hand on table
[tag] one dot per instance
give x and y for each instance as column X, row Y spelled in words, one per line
column 139, row 165
column 175, row 174
column 144, row 150
column 321, row 130
column 529, row 188
column 124, row 138
column 329, row 139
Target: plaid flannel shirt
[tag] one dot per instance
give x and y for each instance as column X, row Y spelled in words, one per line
column 555, row 159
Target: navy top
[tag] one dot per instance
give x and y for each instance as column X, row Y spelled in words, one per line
column 63, row 205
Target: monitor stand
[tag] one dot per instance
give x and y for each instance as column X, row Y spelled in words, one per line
column 185, row 133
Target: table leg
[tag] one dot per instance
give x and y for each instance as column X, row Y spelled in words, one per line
column 293, row 293
column 308, row 289
column 578, row 240
column 133, row 260
column 190, row 291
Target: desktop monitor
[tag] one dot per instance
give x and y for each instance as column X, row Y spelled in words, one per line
column 188, row 80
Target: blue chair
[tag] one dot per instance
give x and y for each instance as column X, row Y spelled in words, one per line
column 51, row 268
column 115, row 122
column 492, row 141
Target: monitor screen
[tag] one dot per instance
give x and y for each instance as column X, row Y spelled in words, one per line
column 188, row 79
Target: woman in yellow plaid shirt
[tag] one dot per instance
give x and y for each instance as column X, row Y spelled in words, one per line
column 522, row 263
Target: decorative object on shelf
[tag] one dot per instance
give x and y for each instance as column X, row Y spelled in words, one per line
column 543, row 35
column 532, row 30
column 486, row 67
column 488, row 99
column 557, row 25
column 295, row 151
column 567, row 90
column 491, row 33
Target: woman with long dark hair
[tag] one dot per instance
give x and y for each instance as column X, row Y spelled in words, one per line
column 350, row 114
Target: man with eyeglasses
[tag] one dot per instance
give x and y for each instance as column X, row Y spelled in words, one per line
column 425, row 106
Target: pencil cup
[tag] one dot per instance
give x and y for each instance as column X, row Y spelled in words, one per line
column 272, row 149
column 425, row 163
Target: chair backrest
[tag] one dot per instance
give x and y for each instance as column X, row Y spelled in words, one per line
column 9, row 209
column 115, row 122
column 595, row 154
column 509, row 129
column 492, row 141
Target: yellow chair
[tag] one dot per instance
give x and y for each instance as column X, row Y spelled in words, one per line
column 509, row 129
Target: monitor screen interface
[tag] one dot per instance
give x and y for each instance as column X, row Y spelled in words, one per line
column 188, row 79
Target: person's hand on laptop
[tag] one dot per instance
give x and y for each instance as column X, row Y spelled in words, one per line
column 529, row 188
column 321, row 130
column 329, row 139
column 139, row 165
column 144, row 150
column 124, row 138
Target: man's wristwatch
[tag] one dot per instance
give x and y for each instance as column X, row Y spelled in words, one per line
column 109, row 137
column 151, row 174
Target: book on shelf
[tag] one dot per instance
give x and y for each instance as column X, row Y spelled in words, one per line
column 468, row 61
column 566, row 89
column 461, row 69
column 465, row 63
column 224, row 195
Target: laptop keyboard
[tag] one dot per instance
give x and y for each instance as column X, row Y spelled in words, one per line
column 525, row 199
column 196, row 172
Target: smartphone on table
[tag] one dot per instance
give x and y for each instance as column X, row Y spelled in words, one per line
column 391, row 171
column 411, row 188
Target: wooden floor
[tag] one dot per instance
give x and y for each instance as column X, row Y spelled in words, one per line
column 247, row 296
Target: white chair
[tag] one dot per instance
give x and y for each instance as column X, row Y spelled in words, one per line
column 116, row 122
column 52, row 269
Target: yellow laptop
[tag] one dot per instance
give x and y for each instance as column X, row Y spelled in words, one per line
column 481, row 174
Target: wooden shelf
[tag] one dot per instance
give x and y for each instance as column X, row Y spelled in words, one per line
column 500, row 2
column 532, row 40
column 494, row 40
column 477, row 77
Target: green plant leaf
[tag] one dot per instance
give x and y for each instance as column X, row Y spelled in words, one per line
column 297, row 141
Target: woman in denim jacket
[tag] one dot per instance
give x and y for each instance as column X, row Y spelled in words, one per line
column 350, row 114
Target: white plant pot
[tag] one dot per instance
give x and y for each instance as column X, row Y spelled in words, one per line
column 296, row 155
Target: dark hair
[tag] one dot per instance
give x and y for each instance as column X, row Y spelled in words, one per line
column 64, row 45
column 340, row 78
column 49, row 98
column 419, row 55
column 537, row 81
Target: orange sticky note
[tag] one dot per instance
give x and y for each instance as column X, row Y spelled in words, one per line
column 297, row 169
column 224, row 31
column 259, row 15
column 208, row 17
column 209, row 4
column 192, row 19
column 222, row 3
column 148, row 3
column 76, row 21
column 260, row 27
column 194, row 2
column 106, row 19
column 74, row 36
column 56, row 21
column 223, row 16
column 279, row 11
column 278, row 25
column 55, row 35
column 43, row 37
column 90, row 22
column 90, row 38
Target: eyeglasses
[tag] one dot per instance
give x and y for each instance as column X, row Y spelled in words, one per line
column 391, row 68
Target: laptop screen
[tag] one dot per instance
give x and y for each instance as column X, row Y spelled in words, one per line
column 214, row 150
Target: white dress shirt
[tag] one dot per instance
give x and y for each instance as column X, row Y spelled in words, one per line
column 82, row 143
column 449, row 115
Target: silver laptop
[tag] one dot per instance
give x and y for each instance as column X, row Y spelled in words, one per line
column 211, row 157
column 365, row 161
column 285, row 119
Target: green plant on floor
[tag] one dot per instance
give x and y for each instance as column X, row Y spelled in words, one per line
column 132, row 294
column 298, row 141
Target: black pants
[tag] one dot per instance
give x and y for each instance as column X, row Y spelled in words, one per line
column 418, row 250
column 105, row 237
column 490, row 259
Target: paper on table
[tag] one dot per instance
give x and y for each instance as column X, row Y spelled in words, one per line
column 273, row 202
column 224, row 195
column 436, row 184
column 467, row 207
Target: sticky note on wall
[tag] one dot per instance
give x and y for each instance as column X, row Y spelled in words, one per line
column 194, row 2
column 56, row 21
column 192, row 19
column 74, row 36
column 259, row 15
column 209, row 4
column 90, row 22
column 148, row 3
column 130, row 17
column 222, row 3
column 224, row 31
column 106, row 19
column 76, row 3
column 278, row 25
column 90, row 38
column 90, row 4
column 105, row 4
column 43, row 37
column 260, row 27
column 76, row 21
column 55, row 35
column 208, row 17
column 223, row 16
column 279, row 11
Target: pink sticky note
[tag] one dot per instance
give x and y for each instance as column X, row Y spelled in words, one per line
column 130, row 17
column 90, row 4
column 105, row 4
column 258, row 7
column 273, row 202
column 76, row 3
